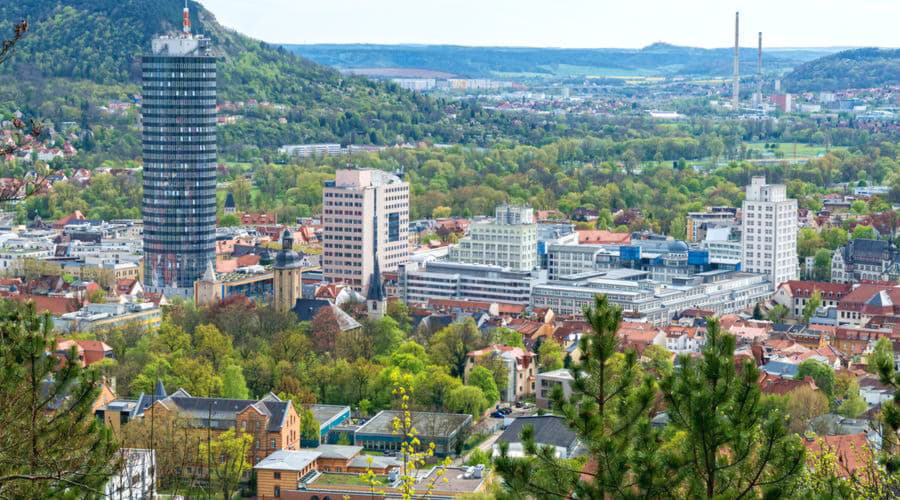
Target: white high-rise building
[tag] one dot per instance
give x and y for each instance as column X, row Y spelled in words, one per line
column 509, row 242
column 769, row 243
column 365, row 216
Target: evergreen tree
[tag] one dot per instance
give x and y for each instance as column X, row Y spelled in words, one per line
column 732, row 446
column 757, row 312
column 883, row 361
column 51, row 445
column 609, row 410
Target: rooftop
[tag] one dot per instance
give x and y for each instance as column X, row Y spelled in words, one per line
column 548, row 429
column 429, row 424
column 288, row 460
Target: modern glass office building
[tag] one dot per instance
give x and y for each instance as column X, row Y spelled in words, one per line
column 179, row 148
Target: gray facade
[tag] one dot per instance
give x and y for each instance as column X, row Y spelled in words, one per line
column 451, row 280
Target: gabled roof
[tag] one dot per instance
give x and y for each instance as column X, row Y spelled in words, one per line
column 306, row 310
column 548, row 430
column 201, row 409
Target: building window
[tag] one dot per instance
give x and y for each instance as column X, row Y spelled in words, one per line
column 277, row 475
column 277, row 492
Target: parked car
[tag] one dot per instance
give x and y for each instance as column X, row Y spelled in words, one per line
column 498, row 414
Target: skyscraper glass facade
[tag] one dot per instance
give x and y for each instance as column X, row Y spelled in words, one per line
column 179, row 150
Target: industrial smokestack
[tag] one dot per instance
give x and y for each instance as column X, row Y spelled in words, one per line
column 759, row 96
column 736, row 91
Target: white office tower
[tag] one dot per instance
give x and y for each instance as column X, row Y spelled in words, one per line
column 769, row 242
column 365, row 216
column 509, row 242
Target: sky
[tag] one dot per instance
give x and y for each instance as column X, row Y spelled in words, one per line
column 566, row 23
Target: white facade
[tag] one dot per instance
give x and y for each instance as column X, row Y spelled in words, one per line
column 510, row 241
column 136, row 480
column 452, row 280
column 769, row 244
column 365, row 213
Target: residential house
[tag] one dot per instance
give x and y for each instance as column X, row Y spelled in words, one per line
column 794, row 294
column 520, row 365
column 549, row 430
column 547, row 382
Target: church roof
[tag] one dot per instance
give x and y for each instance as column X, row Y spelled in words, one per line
column 287, row 258
column 376, row 287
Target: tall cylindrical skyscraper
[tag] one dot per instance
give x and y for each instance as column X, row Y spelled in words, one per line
column 179, row 148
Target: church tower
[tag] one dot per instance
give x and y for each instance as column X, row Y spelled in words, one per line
column 375, row 303
column 288, row 274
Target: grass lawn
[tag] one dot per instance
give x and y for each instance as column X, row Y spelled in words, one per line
column 788, row 148
column 331, row 478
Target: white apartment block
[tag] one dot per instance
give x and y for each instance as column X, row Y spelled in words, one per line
column 365, row 212
column 769, row 243
column 510, row 241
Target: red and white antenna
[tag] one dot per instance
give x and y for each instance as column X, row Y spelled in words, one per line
column 186, row 19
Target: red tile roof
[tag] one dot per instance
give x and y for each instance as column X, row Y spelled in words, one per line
column 852, row 451
column 56, row 306
column 829, row 291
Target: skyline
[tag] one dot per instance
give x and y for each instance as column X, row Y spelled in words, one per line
column 505, row 23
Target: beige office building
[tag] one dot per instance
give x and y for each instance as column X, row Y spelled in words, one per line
column 365, row 212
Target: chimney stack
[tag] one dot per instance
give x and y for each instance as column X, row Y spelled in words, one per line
column 759, row 77
column 736, row 91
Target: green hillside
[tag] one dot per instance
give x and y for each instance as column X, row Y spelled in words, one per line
column 859, row 68
column 659, row 59
column 100, row 41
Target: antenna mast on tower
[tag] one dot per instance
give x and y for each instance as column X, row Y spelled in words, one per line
column 186, row 20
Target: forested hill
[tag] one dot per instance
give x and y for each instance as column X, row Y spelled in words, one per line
column 859, row 68
column 658, row 59
column 100, row 41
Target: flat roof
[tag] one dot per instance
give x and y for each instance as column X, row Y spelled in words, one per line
column 430, row 424
column 288, row 460
column 338, row 451
column 454, row 479
column 325, row 414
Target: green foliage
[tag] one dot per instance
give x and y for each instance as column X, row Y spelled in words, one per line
column 822, row 265
column 483, row 379
column 821, row 373
column 229, row 220
column 857, row 68
column 467, row 399
column 813, row 303
column 862, row 232
column 883, row 361
column 509, row 337
column 550, row 355
column 233, row 384
column 732, row 447
column 778, row 313
column 52, row 445
column 226, row 458
column 450, row 346
column 608, row 410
